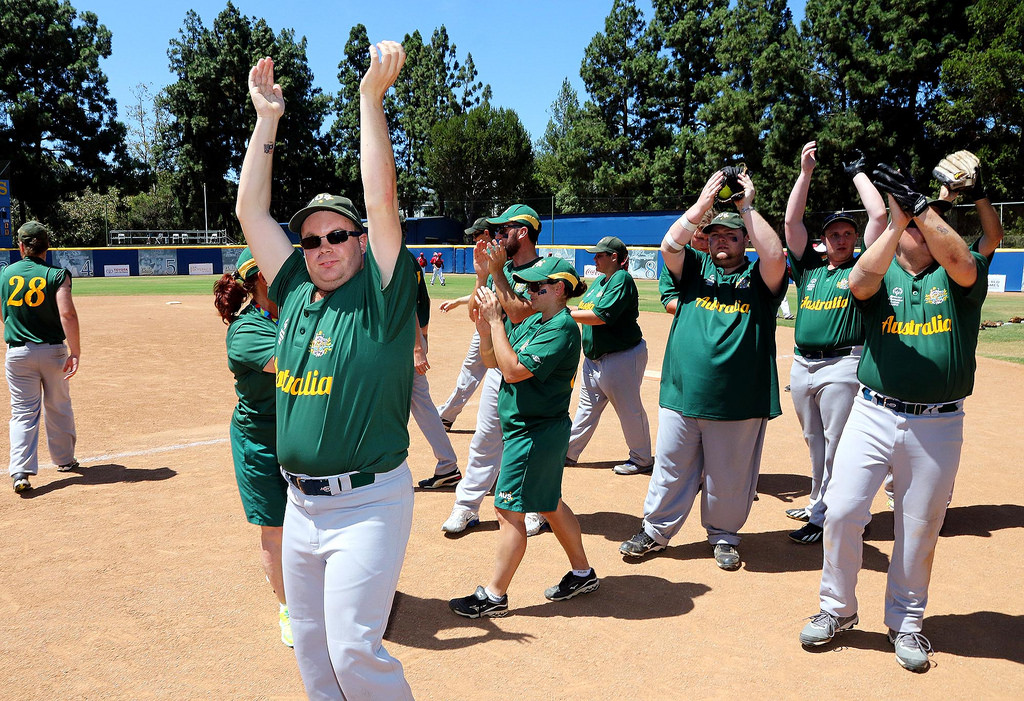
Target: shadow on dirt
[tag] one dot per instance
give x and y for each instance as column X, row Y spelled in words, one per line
column 110, row 473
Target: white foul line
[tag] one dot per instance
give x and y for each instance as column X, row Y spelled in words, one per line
column 151, row 451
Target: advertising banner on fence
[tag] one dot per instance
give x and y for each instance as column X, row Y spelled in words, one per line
column 117, row 271
column 997, row 283
column 200, row 268
column 78, row 262
column 643, row 264
column 158, row 261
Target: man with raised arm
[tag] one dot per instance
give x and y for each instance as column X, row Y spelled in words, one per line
column 344, row 382
column 920, row 291
column 719, row 382
column 829, row 334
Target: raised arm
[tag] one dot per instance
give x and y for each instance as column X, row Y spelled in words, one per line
column 991, row 227
column 866, row 276
column 269, row 244
column 681, row 231
column 516, row 308
column 377, row 158
column 870, row 197
column 796, row 232
column 770, row 255
column 948, row 248
column 495, row 349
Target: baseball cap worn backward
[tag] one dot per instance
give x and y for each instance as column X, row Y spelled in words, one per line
column 246, row 267
column 33, row 232
column 479, row 227
column 326, row 202
column 728, row 220
column 552, row 268
column 837, row 216
column 519, row 214
column 609, row 244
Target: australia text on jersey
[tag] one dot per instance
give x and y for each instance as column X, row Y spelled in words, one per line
column 934, row 325
column 310, row 385
column 820, row 305
column 715, row 306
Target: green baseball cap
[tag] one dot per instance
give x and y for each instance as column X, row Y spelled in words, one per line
column 519, row 214
column 610, row 244
column 727, row 220
column 246, row 267
column 326, row 202
column 550, row 268
column 480, row 226
column 35, row 234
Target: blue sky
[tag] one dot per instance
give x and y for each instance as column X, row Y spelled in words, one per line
column 523, row 49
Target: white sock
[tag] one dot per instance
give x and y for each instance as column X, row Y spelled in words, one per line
column 491, row 596
column 583, row 573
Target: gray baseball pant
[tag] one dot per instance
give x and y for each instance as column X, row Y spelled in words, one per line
column 723, row 456
column 472, row 372
column 615, row 378
column 823, row 392
column 425, row 414
column 923, row 453
column 341, row 556
column 35, row 375
column 484, row 450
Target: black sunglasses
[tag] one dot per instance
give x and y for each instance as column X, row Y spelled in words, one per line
column 334, row 238
column 535, row 286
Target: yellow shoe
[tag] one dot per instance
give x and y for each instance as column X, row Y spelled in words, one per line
column 286, row 627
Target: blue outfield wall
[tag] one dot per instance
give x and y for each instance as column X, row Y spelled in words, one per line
column 645, row 261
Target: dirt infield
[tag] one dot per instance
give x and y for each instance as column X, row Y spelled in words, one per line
column 138, row 576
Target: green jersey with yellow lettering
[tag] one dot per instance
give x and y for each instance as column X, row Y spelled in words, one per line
column 921, row 333
column 551, row 351
column 720, row 357
column 251, row 344
column 616, row 302
column 344, row 375
column 29, row 302
column 827, row 317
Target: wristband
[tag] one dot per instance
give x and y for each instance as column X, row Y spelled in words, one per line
column 672, row 243
column 748, row 208
column 685, row 222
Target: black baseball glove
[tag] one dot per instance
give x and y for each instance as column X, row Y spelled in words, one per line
column 901, row 187
column 856, row 163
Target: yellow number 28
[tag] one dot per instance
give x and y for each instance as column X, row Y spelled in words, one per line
column 34, row 296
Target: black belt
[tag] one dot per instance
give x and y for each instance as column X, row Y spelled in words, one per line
column 320, row 486
column 901, row 407
column 823, row 354
column 21, row 344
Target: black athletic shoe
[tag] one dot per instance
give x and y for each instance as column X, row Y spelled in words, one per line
column 439, row 481
column 73, row 465
column 447, row 425
column 571, row 585
column 806, row 535
column 640, row 544
column 477, row 604
column 21, row 483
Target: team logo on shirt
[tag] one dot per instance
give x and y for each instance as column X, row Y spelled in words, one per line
column 744, row 283
column 505, row 497
column 710, row 281
column 936, row 296
column 811, row 283
column 320, row 345
column 896, row 296
column 843, row 284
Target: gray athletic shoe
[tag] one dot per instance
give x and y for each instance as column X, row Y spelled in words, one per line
column 73, row 465
column 629, row 468
column 21, row 483
column 911, row 650
column 823, row 627
column 640, row 544
column 801, row 514
column 727, row 557
column 807, row 535
column 460, row 520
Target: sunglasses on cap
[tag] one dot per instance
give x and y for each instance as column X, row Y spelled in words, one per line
column 535, row 286
column 334, row 238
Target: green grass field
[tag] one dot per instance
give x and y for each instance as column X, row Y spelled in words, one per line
column 1003, row 343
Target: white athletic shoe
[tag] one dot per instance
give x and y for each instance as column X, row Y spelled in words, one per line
column 630, row 468
column 460, row 520
column 535, row 523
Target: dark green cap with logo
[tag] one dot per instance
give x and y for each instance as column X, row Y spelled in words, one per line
column 479, row 227
column 326, row 202
column 728, row 220
column 518, row 214
column 550, row 268
column 610, row 244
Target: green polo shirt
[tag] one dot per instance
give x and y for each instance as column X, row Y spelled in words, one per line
column 551, row 351
column 921, row 333
column 344, row 376
column 616, row 302
column 720, row 357
column 251, row 343
column 827, row 317
column 29, row 301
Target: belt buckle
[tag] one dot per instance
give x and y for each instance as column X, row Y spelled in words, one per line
column 891, row 404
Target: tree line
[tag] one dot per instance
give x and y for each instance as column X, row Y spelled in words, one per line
column 667, row 99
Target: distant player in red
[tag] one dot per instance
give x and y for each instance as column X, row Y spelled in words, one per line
column 437, row 260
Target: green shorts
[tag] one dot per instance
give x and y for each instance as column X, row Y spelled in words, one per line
column 532, row 462
column 260, row 484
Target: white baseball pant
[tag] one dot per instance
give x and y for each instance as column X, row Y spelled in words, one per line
column 425, row 414
column 472, row 372
column 35, row 376
column 485, row 449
